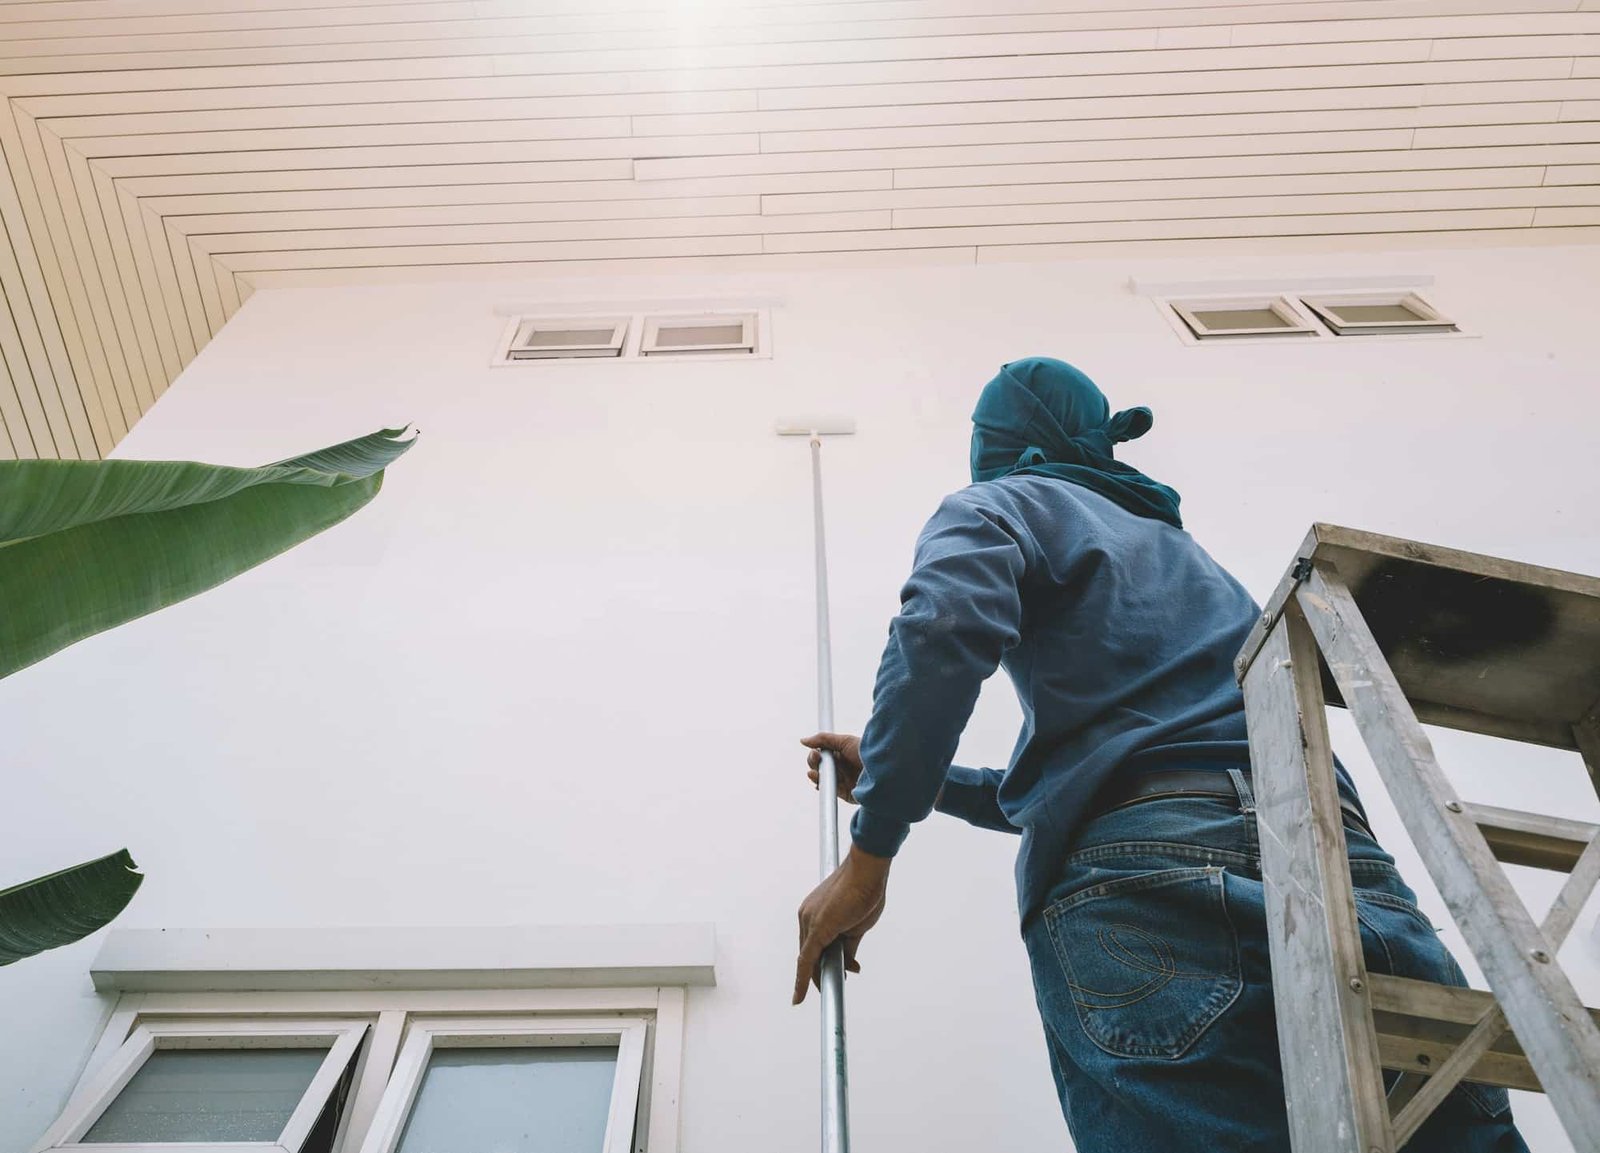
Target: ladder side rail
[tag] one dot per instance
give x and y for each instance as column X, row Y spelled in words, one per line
column 1554, row 1030
column 1333, row 1079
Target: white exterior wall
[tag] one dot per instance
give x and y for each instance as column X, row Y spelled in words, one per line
column 556, row 672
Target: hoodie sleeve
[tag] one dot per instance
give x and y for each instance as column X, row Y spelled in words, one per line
column 960, row 612
column 974, row 796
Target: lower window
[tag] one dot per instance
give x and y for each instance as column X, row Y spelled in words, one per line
column 512, row 1087
column 199, row 1087
column 448, row 1072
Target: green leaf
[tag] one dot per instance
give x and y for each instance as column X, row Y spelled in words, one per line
column 88, row 545
column 66, row 906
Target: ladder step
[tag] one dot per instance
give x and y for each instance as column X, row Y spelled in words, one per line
column 1543, row 842
column 1419, row 1025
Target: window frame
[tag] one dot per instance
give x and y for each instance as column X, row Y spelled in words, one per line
column 87, row 1106
column 613, row 349
column 1297, row 325
column 746, row 346
column 756, row 343
column 424, row 1034
column 1428, row 319
column 389, row 1010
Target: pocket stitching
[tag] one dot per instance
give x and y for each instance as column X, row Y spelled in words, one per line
column 1229, row 985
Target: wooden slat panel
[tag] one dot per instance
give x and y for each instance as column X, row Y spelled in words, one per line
column 751, row 23
column 121, row 156
column 984, row 155
column 652, row 70
column 1264, row 78
column 1153, row 127
column 391, row 102
column 388, row 176
column 19, row 320
column 20, row 409
column 1164, row 229
column 1495, row 135
column 425, row 216
column 1510, row 91
column 135, row 345
column 1199, row 209
column 1131, row 191
column 1392, row 161
column 1002, row 111
column 40, row 221
column 519, row 233
column 1573, row 174
column 182, row 148
column 20, row 10
column 212, row 88
column 113, row 401
column 164, row 196
column 581, row 139
column 1567, row 217
column 148, row 292
column 453, row 254
column 1496, row 48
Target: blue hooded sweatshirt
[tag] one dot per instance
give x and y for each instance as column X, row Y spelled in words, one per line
column 1069, row 570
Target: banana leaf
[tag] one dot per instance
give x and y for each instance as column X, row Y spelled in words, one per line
column 66, row 906
column 88, row 545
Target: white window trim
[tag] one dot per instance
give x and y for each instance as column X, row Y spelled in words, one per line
column 621, row 328
column 633, row 345
column 749, row 334
column 93, row 1098
column 1427, row 316
column 661, row 1008
column 1296, row 325
column 425, row 1034
column 1323, row 336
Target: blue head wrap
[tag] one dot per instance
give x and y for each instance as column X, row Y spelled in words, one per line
column 1042, row 417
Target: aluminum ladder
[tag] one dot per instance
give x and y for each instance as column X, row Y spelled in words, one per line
column 1402, row 633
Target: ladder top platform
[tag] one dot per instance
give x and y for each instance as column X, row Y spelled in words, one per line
column 1476, row 642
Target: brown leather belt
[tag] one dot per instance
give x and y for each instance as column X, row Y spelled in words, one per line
column 1137, row 787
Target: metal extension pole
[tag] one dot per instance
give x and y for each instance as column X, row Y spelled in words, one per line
column 835, row 1079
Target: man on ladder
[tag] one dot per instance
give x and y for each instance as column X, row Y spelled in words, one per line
column 1138, row 875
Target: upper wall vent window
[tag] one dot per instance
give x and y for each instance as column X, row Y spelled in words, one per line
column 578, row 337
column 1270, row 316
column 1377, row 314
column 1318, row 310
column 627, row 336
column 699, row 335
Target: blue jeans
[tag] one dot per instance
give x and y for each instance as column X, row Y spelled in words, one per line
column 1151, row 972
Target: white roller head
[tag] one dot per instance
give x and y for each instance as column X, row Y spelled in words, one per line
column 817, row 426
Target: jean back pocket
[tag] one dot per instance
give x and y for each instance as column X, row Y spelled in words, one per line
column 1151, row 960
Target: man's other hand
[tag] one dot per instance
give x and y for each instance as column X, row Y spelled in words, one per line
column 846, row 752
column 842, row 908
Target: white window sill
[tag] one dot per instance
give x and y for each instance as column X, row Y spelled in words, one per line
column 510, row 957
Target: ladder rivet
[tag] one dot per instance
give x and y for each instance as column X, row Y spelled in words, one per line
column 1453, row 806
column 1356, row 985
column 1540, row 956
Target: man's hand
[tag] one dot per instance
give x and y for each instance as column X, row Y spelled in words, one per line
column 842, row 908
column 846, row 752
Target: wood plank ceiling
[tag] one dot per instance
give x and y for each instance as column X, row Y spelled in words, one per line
column 166, row 157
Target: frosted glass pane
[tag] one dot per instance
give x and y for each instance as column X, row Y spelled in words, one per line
column 1220, row 320
column 210, row 1095
column 693, row 336
column 561, row 338
column 1374, row 314
column 513, row 1100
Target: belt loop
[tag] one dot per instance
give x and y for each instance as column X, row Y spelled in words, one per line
column 1241, row 785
